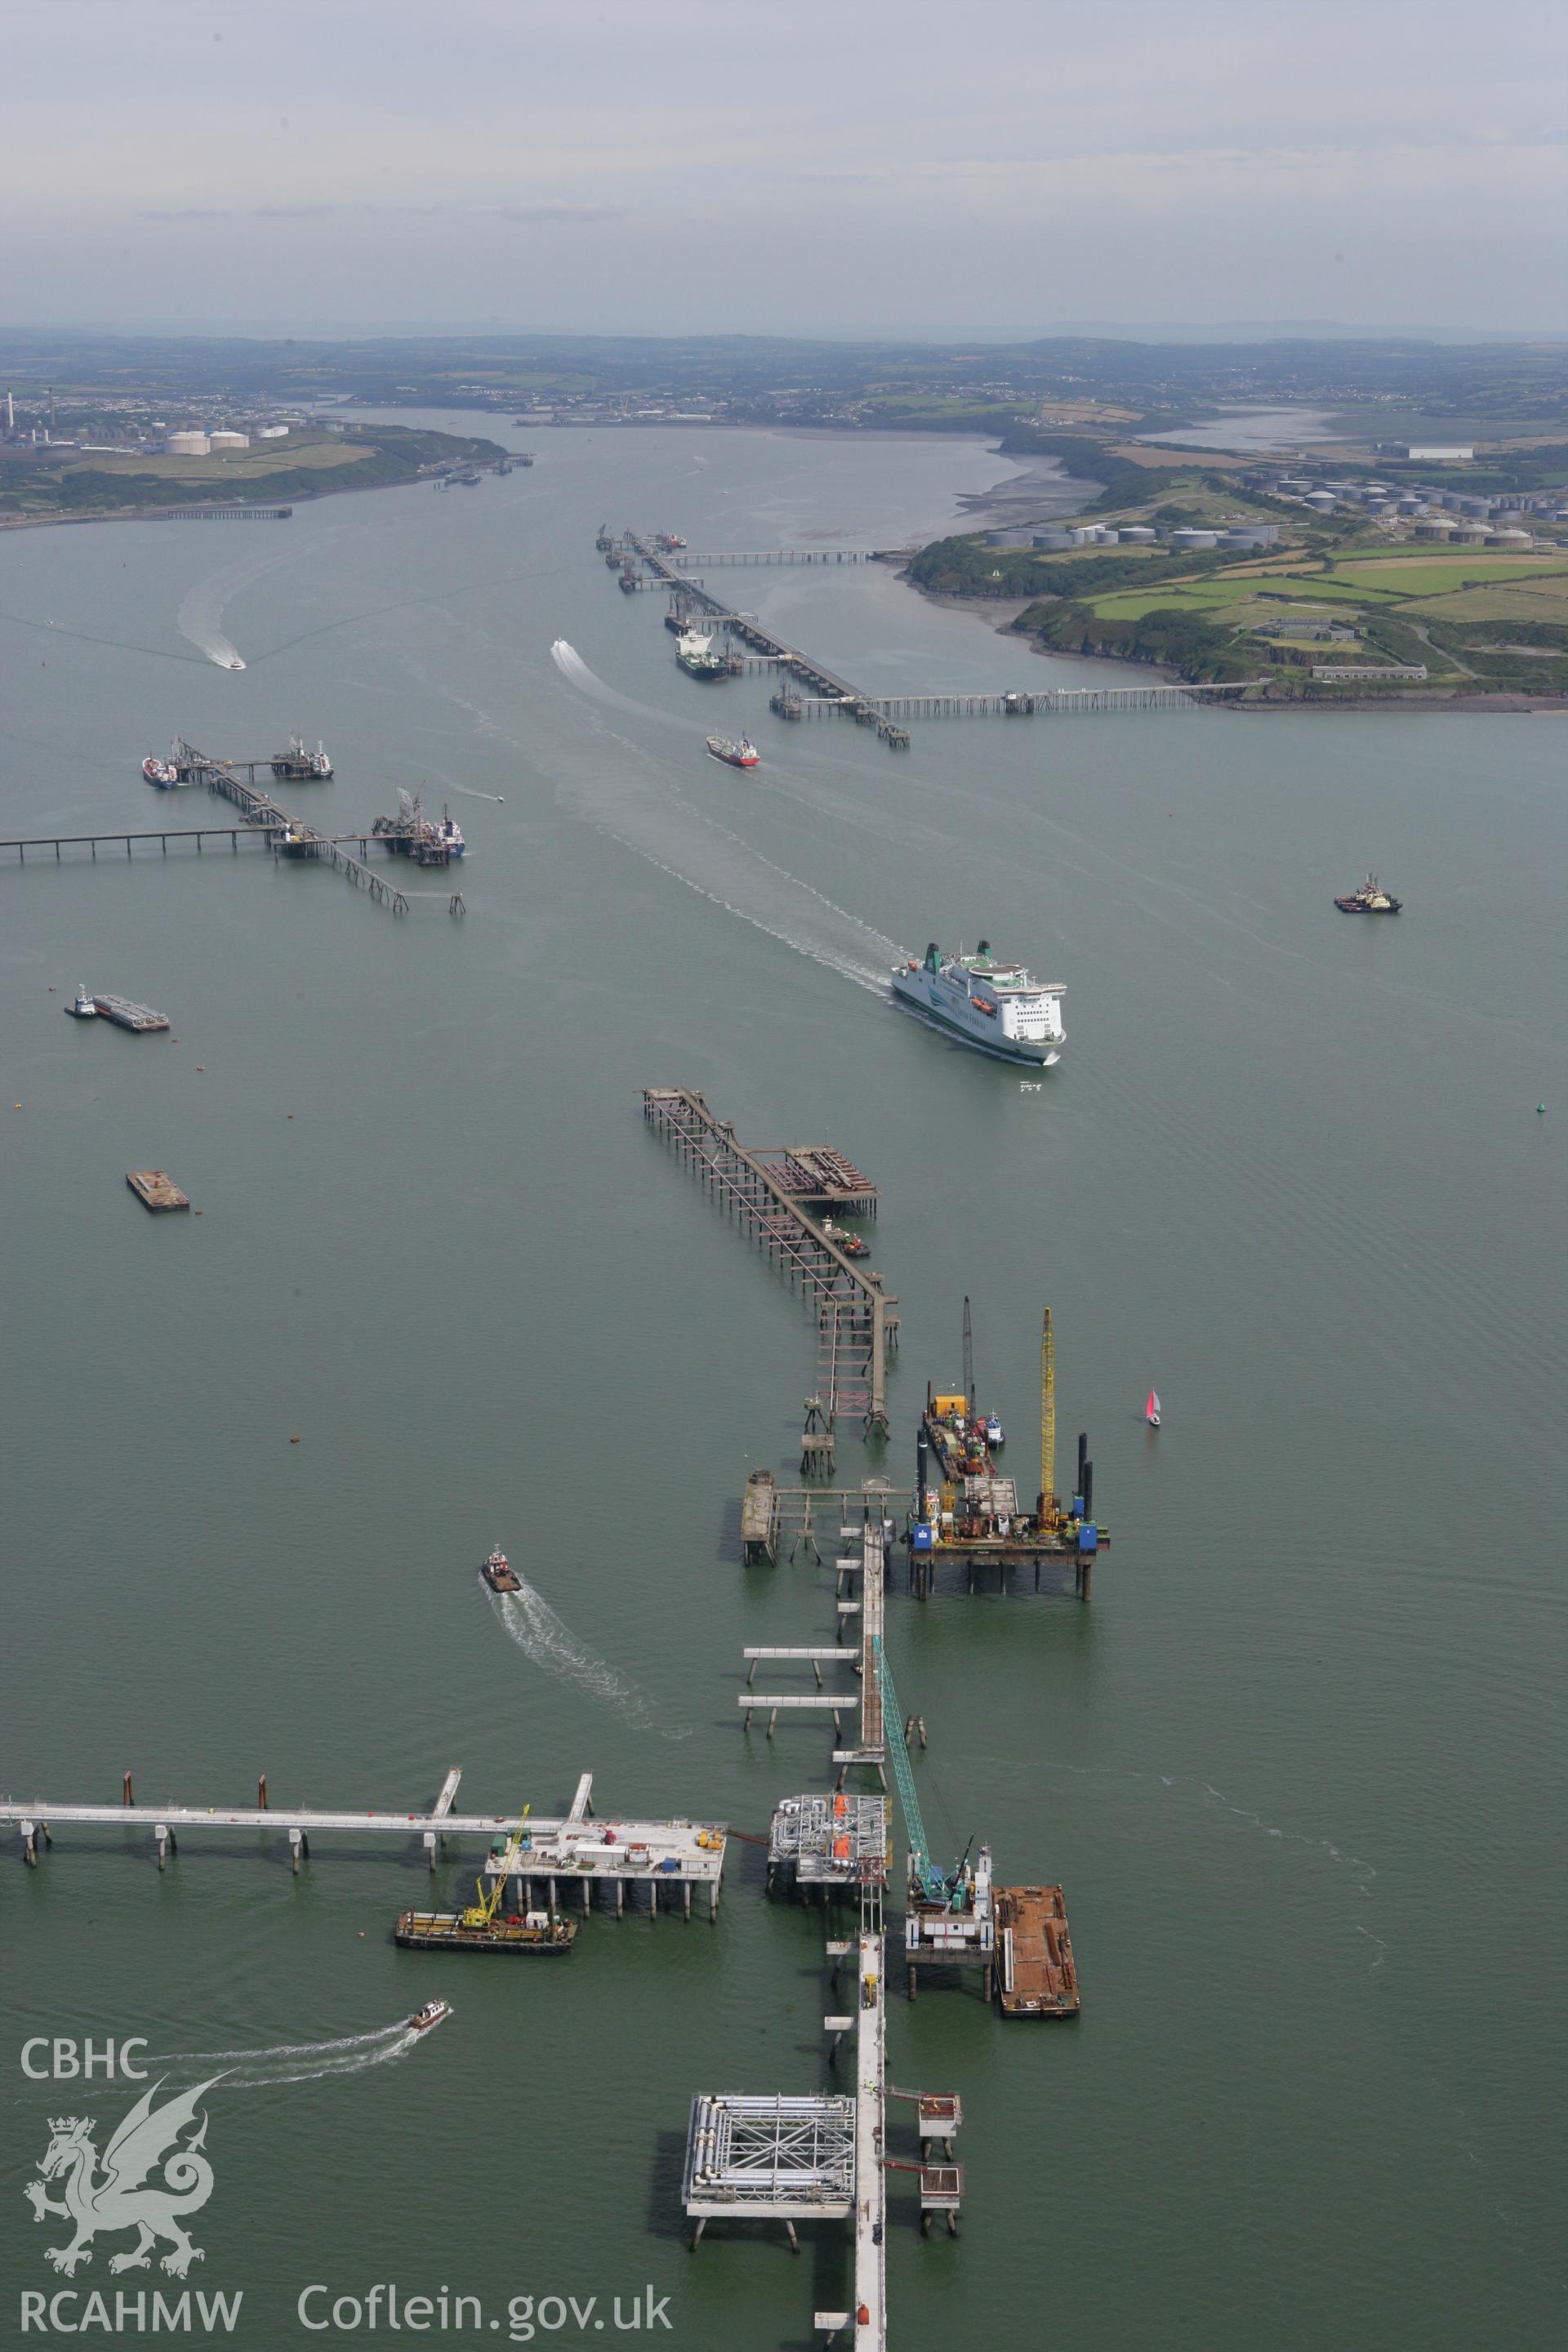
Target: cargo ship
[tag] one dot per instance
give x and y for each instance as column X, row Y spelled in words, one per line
column 1372, row 899
column 695, row 653
column 162, row 772
column 744, row 754
column 994, row 1007
column 302, row 766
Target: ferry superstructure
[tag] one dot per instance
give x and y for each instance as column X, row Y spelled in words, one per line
column 994, row 1007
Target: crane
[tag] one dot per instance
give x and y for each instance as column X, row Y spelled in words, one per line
column 968, row 1363
column 483, row 1913
column 1050, row 1511
column 925, row 1874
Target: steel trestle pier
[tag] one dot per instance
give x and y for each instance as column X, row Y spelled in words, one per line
column 854, row 1323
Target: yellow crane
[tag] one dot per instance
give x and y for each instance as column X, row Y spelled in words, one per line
column 483, row 1913
column 1050, row 1511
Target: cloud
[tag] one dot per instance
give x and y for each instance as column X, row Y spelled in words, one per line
column 569, row 216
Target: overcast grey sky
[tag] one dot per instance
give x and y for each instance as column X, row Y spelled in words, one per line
column 838, row 166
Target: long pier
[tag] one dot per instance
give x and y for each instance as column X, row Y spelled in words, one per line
column 232, row 834
column 570, row 1848
column 819, row 555
column 829, row 696
column 854, row 1323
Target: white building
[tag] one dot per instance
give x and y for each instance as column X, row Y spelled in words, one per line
column 1432, row 452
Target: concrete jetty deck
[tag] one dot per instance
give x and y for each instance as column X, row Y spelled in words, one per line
column 668, row 1854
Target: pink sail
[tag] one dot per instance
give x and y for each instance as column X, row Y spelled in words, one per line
column 1151, row 1410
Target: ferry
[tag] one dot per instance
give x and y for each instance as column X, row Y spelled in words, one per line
column 994, row 1007
column 499, row 1573
column 1372, row 899
column 694, row 652
column 744, row 754
column 435, row 2012
column 162, row 772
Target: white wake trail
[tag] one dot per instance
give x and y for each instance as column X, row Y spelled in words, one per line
column 299, row 2062
column 528, row 1620
column 573, row 668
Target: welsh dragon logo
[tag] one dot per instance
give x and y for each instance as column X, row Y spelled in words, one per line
column 119, row 2197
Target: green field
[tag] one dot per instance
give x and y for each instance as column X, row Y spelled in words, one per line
column 1437, row 575
column 309, row 450
column 1226, row 591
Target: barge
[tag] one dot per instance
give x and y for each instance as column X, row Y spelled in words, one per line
column 155, row 1190
column 1036, row 1976
column 125, row 1015
column 458, row 1931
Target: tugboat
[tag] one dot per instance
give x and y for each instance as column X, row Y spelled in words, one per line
column 162, row 772
column 82, row 1006
column 994, row 1435
column 744, row 754
column 435, row 2012
column 1372, row 899
column 499, row 1574
column 852, row 1245
column 694, row 652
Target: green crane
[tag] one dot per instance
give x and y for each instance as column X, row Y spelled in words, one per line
column 931, row 1880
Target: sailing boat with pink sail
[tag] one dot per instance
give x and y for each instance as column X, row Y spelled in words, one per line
column 1151, row 1410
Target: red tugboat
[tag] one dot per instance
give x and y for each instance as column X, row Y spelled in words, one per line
column 1372, row 899
column 499, row 1574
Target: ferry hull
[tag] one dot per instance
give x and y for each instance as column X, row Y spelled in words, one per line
column 1037, row 1053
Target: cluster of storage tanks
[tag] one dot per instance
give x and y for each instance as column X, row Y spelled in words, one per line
column 194, row 443
column 1181, row 541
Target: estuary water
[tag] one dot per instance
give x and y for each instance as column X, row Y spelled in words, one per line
column 1299, row 1765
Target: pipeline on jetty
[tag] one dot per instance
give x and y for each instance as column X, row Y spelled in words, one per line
column 295, row 837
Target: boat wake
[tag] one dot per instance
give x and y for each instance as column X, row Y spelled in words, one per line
column 575, row 670
column 198, row 623
column 622, row 797
column 299, row 2061
column 528, row 1620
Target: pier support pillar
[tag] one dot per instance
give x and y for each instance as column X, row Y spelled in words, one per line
column 301, row 1848
column 697, row 2233
column 29, row 1845
column 261, row 1794
column 620, row 1896
column 713, row 1900
column 794, row 2240
column 653, row 1898
column 165, row 1842
column 587, row 1890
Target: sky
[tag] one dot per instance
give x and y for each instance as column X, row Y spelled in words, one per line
column 856, row 168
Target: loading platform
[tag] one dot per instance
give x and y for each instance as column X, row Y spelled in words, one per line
column 854, row 1326
column 670, row 1857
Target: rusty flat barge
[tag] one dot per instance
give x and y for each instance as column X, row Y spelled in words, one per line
column 127, row 1016
column 1035, row 1975
column 449, row 1931
column 154, row 1189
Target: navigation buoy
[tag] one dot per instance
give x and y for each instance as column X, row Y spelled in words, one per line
column 1540, row 1109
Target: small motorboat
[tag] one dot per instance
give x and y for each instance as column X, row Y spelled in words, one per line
column 435, row 2012
column 744, row 754
column 1151, row 1410
column 993, row 1433
column 82, row 1007
column 499, row 1574
column 1372, row 899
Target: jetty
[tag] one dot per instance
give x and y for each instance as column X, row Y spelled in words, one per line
column 764, row 1189
column 673, row 1857
column 827, row 695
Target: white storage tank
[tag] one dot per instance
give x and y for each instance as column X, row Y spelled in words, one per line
column 1323, row 502
column 273, row 433
column 226, row 440
column 1137, row 534
column 1508, row 539
column 1104, row 538
column 1434, row 531
column 1052, row 539
column 186, row 445
column 1187, row 541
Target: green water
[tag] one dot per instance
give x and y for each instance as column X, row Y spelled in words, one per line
column 1299, row 1765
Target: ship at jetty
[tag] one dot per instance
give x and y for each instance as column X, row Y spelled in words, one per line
column 1372, row 899
column 162, row 772
column 694, row 652
column 411, row 834
column 302, row 766
column 996, row 1007
column 744, row 754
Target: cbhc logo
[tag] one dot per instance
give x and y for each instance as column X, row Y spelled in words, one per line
column 68, row 2059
